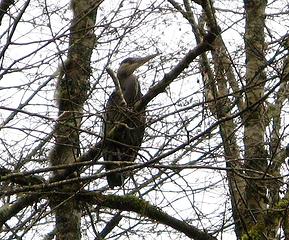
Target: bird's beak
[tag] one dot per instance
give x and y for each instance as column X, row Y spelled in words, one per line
column 141, row 61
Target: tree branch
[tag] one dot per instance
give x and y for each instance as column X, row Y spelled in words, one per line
column 19, row 178
column 144, row 208
column 8, row 211
column 110, row 225
column 168, row 78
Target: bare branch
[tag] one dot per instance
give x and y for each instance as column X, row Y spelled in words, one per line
column 19, row 178
column 8, row 211
column 168, row 78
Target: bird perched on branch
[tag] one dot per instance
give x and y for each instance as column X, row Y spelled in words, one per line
column 123, row 125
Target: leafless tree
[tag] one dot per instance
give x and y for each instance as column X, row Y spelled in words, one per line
column 212, row 164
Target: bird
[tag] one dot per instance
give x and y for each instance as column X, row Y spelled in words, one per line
column 124, row 127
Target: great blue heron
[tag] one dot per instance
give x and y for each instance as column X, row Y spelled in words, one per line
column 123, row 143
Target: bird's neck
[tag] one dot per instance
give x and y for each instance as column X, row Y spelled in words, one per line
column 130, row 88
column 122, row 74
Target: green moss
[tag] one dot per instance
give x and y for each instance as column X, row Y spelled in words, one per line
column 277, row 212
column 256, row 232
column 253, row 234
column 282, row 204
column 139, row 205
column 129, row 202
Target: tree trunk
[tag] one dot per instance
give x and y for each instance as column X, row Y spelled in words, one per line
column 72, row 87
column 255, row 154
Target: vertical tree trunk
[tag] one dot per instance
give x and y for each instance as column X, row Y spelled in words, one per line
column 254, row 124
column 72, row 89
column 217, row 82
column 224, row 76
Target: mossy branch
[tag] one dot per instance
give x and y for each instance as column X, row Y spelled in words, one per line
column 145, row 209
column 7, row 211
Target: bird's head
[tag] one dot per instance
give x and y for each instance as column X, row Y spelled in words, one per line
column 129, row 65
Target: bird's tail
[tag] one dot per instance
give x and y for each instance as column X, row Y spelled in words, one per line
column 115, row 179
column 114, row 157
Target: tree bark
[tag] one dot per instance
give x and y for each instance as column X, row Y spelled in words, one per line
column 72, row 87
column 222, row 108
column 144, row 208
column 254, row 125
